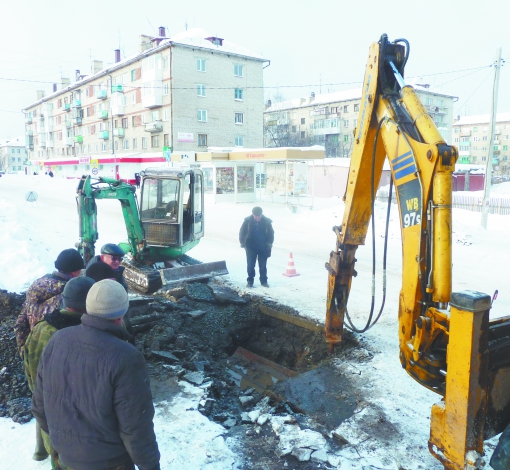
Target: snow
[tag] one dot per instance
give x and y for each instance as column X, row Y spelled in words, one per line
column 33, row 233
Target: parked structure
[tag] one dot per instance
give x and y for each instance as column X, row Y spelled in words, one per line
column 330, row 119
column 13, row 155
column 471, row 134
column 178, row 94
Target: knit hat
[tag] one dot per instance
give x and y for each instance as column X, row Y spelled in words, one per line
column 107, row 299
column 99, row 271
column 75, row 292
column 69, row 261
column 257, row 211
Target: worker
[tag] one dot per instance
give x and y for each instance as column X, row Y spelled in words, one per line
column 92, row 394
column 45, row 294
column 73, row 306
column 112, row 255
column 256, row 237
column 100, row 271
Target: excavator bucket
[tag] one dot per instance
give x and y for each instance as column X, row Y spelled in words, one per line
column 193, row 272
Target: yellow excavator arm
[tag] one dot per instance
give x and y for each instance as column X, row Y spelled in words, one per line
column 444, row 338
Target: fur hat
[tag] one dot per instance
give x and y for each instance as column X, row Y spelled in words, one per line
column 107, row 299
column 75, row 292
column 69, row 261
column 99, row 271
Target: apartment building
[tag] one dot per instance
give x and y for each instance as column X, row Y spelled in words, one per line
column 471, row 134
column 181, row 94
column 330, row 119
column 13, row 155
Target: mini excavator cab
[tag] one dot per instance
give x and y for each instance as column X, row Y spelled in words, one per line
column 172, row 207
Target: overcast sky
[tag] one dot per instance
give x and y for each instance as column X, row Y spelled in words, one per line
column 318, row 45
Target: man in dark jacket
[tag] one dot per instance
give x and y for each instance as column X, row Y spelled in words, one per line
column 92, row 393
column 256, row 237
column 112, row 255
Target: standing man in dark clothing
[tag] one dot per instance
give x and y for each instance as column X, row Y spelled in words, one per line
column 256, row 237
column 92, row 394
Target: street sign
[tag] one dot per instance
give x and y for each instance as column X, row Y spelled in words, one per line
column 167, row 153
column 95, row 171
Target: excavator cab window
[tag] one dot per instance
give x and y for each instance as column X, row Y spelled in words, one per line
column 160, row 199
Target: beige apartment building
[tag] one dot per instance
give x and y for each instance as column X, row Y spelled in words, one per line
column 471, row 134
column 179, row 94
column 330, row 119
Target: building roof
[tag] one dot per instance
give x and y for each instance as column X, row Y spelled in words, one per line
column 338, row 96
column 16, row 142
column 482, row 119
column 194, row 37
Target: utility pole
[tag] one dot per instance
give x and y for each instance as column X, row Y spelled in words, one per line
column 488, row 163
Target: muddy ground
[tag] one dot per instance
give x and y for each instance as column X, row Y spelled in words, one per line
column 203, row 333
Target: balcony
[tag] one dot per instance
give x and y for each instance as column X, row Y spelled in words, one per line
column 68, row 141
column 28, row 120
column 118, row 132
column 102, row 114
column 77, row 121
column 101, row 95
column 76, row 103
column 156, row 126
column 67, row 124
column 66, row 107
column 29, row 142
column 497, row 142
column 117, row 89
column 50, row 144
column 465, row 133
column 496, row 152
column 29, row 133
column 78, row 139
column 104, row 135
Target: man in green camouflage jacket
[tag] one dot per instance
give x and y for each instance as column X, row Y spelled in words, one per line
column 45, row 294
column 73, row 300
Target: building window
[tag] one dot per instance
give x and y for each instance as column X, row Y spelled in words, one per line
column 456, row 130
column 202, row 140
column 346, row 108
column 165, row 115
column 302, row 120
column 166, row 140
column 135, row 144
column 116, row 145
column 346, row 138
column 238, row 118
column 133, row 97
column 133, row 75
column 165, row 88
column 144, row 142
column 200, row 90
column 103, row 147
column 484, row 137
column 155, row 141
column 165, row 61
column 356, row 107
column 346, row 122
column 303, row 134
column 505, row 147
column 201, row 65
column 202, row 115
column 239, row 141
column 238, row 94
column 125, row 123
column 484, row 159
column 238, row 70
column 294, row 128
column 475, row 129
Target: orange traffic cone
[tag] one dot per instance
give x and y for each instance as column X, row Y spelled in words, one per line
column 291, row 270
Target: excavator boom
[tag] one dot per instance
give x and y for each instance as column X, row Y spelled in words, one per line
column 444, row 337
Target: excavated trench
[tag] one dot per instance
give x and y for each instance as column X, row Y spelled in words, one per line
column 243, row 350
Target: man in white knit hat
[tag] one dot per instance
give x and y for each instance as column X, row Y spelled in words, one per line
column 92, row 393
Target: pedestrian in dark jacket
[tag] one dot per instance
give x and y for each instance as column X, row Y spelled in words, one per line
column 45, row 294
column 73, row 307
column 92, row 393
column 112, row 255
column 256, row 236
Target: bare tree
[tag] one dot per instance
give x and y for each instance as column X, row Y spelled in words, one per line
column 4, row 159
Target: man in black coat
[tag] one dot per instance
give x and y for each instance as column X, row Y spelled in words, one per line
column 92, row 393
column 256, row 237
column 112, row 255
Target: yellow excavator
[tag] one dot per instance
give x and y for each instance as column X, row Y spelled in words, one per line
column 447, row 342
